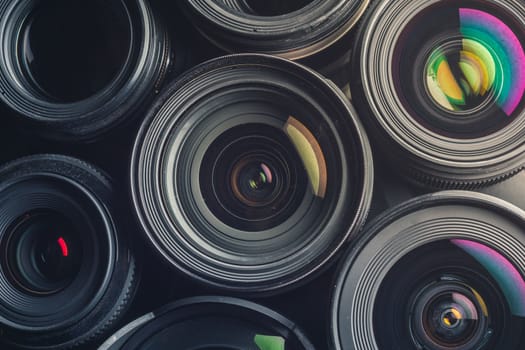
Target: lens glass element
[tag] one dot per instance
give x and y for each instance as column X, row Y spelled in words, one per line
column 255, row 176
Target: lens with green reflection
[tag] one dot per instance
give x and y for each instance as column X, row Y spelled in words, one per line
column 461, row 68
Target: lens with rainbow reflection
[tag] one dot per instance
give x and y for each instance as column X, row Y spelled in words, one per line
column 461, row 68
column 442, row 86
column 442, row 271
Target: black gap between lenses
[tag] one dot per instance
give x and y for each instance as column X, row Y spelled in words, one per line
column 70, row 50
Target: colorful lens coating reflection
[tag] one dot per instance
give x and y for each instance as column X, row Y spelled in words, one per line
column 487, row 65
column 311, row 154
column 268, row 342
column 502, row 270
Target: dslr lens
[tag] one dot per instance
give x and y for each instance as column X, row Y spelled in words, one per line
column 251, row 173
column 444, row 271
column 75, row 70
column 443, row 85
column 291, row 29
column 65, row 276
column 217, row 323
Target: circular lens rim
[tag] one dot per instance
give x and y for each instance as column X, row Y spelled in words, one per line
column 40, row 171
column 18, row 247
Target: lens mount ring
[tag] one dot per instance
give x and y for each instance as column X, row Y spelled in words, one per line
column 432, row 158
column 236, row 27
column 139, row 75
column 207, row 103
column 99, row 292
column 468, row 220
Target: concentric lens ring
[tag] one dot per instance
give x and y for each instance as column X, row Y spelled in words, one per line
column 252, row 97
column 432, row 157
column 487, row 230
column 237, row 27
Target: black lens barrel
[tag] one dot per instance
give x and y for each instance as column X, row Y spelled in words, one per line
column 290, row 29
column 422, row 262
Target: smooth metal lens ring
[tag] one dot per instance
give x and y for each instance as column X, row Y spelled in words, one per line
column 454, row 236
column 79, row 105
column 239, row 26
column 173, row 142
column 437, row 159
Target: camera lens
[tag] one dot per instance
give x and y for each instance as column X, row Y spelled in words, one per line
column 443, row 88
column 217, row 323
column 251, row 173
column 443, row 271
column 74, row 71
column 291, row 29
column 65, row 276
